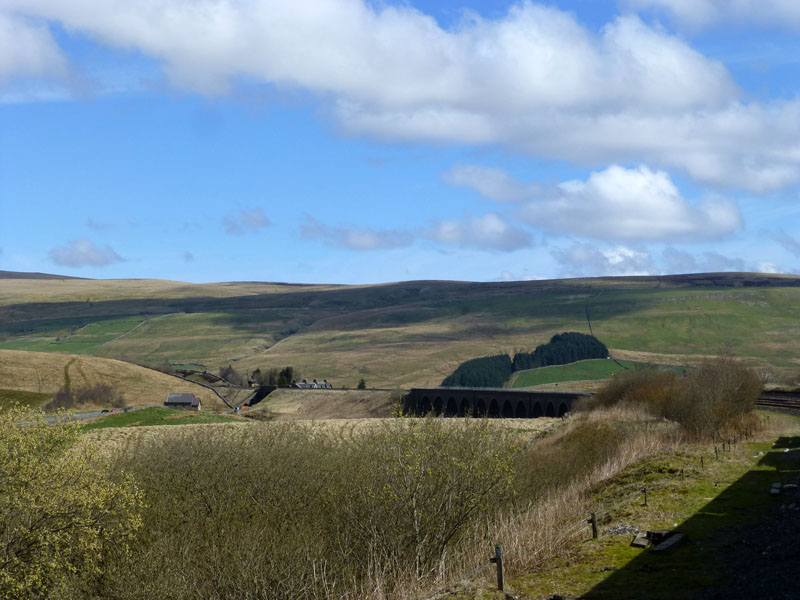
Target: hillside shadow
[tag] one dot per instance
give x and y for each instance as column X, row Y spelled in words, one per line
column 742, row 544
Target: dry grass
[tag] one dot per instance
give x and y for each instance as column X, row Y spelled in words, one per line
column 16, row 291
column 43, row 372
column 290, row 405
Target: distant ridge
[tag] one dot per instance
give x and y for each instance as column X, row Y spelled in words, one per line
column 20, row 275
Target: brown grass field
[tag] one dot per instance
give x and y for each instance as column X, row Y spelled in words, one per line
column 44, row 373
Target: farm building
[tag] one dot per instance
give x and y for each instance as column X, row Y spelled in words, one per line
column 189, row 401
column 313, row 385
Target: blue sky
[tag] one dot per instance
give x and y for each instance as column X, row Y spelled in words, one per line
column 353, row 141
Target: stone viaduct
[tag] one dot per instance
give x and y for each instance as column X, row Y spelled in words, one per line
column 491, row 402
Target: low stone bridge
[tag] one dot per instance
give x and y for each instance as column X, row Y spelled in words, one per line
column 490, row 402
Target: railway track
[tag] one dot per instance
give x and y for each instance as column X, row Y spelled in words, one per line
column 776, row 400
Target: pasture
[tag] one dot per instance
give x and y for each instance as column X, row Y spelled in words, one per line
column 155, row 416
column 582, row 370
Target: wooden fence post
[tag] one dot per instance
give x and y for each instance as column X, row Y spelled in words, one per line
column 644, row 491
column 498, row 560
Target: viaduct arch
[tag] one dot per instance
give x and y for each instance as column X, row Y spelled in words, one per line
column 490, row 402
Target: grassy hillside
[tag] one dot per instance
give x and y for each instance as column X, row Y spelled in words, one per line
column 290, row 405
column 33, row 377
column 404, row 334
column 577, row 371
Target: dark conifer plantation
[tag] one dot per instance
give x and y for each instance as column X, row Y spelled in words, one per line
column 494, row 371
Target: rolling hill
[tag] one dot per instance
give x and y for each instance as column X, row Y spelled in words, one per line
column 402, row 334
column 38, row 375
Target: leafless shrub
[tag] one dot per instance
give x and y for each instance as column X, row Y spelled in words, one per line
column 100, row 394
column 709, row 401
column 292, row 511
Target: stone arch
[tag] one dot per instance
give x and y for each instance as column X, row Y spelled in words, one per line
column 551, row 411
column 465, row 410
column 438, row 406
column 508, row 410
column 536, row 411
column 522, row 411
column 480, row 408
column 451, row 410
column 425, row 406
column 494, row 409
column 562, row 410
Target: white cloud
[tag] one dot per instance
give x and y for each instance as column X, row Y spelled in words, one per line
column 701, row 13
column 27, row 49
column 246, row 221
column 765, row 266
column 354, row 238
column 583, row 259
column 616, row 203
column 534, row 79
column 84, row 253
column 488, row 231
column 491, row 182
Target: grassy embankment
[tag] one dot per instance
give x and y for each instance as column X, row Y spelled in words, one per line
column 401, row 335
column 156, row 415
column 717, row 503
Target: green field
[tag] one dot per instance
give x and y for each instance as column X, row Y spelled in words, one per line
column 582, row 370
column 9, row 398
column 405, row 334
column 156, row 416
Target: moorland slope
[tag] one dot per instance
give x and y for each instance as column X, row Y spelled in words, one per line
column 402, row 334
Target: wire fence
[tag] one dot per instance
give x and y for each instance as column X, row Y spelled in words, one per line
column 570, row 530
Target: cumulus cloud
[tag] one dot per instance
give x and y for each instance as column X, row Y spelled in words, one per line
column 534, row 79
column 488, row 232
column 701, row 13
column 789, row 242
column 355, row 238
column 246, row 221
column 27, row 49
column 491, row 182
column 616, row 203
column 84, row 253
